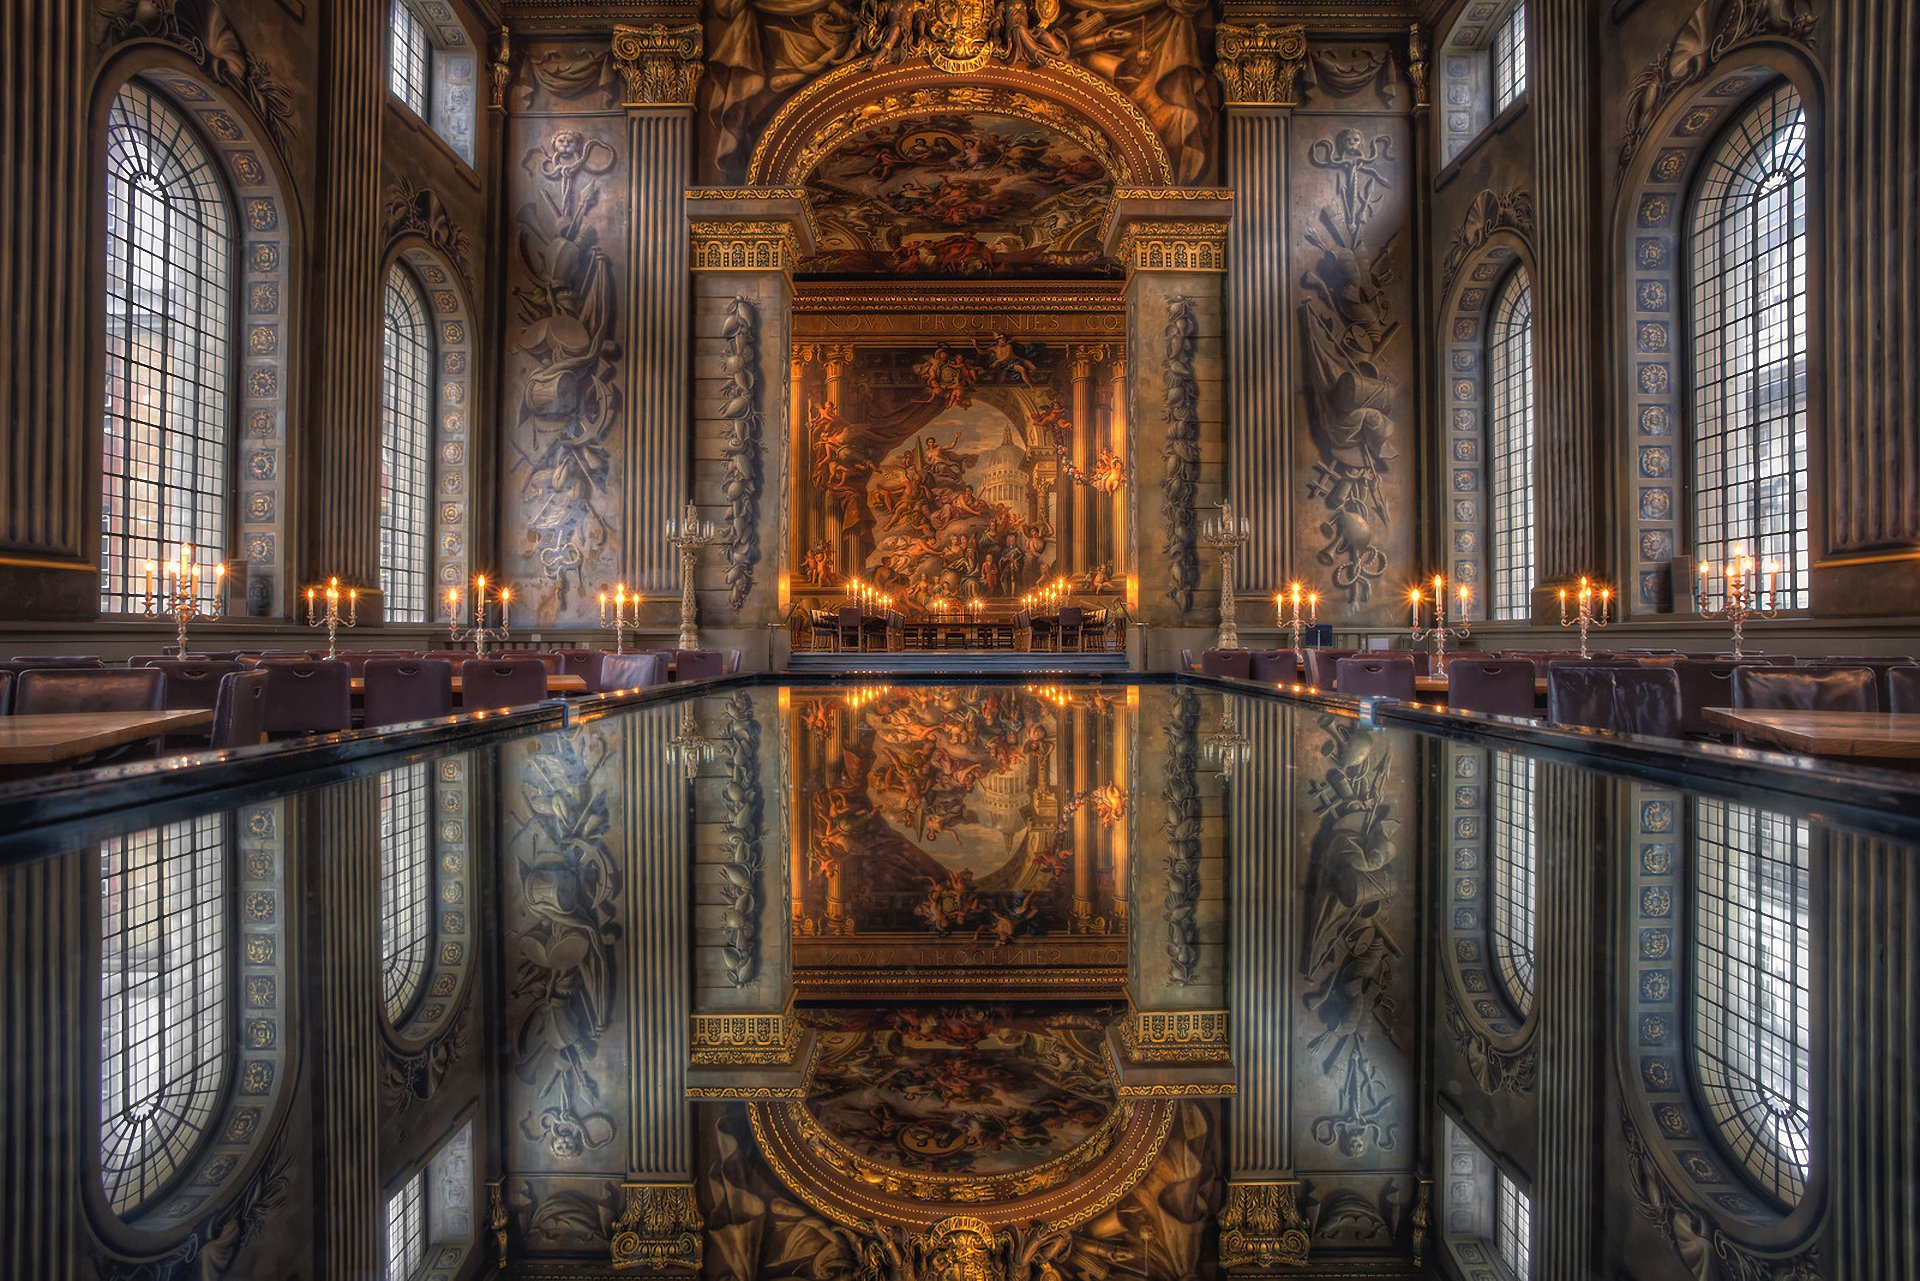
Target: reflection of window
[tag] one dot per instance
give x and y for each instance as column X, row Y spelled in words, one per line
column 1748, row 232
column 164, row 1003
column 412, row 55
column 1512, row 1225
column 406, row 419
column 1512, row 890
column 169, row 336
column 1750, row 1000
column 407, row 1229
column 1510, row 446
column 406, row 891
column 1510, row 59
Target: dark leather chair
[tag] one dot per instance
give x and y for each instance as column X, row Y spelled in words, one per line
column 39, row 691
column 1321, row 665
column 308, row 697
column 399, row 690
column 1626, row 700
column 1832, row 689
column 1878, row 666
column 502, row 682
column 454, row 657
column 357, row 659
column 1500, row 686
column 1704, row 683
column 846, row 628
column 239, row 710
column 1903, row 688
column 1072, row 621
column 698, row 664
column 6, row 691
column 193, row 683
column 1365, row 676
column 633, row 671
column 1422, row 659
column 1227, row 662
column 30, row 662
column 584, row 663
column 1275, row 665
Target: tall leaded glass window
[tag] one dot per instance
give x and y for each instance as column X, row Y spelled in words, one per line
column 1748, row 232
column 1750, row 993
column 169, row 344
column 1513, row 1226
column 412, row 55
column 407, row 1229
column 1510, row 438
column 1510, row 59
column 405, row 462
column 406, row 887
column 1511, row 912
column 164, row 1003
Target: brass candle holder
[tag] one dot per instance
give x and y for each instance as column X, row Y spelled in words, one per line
column 487, row 602
column 1585, row 597
column 332, row 620
column 1747, row 595
column 1227, row 536
column 1288, row 613
column 689, row 533
column 1439, row 631
column 620, row 612
column 182, row 599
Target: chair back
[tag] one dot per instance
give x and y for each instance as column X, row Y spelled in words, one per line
column 1365, row 676
column 1903, row 689
column 633, row 671
column 6, row 691
column 1704, row 683
column 848, row 625
column 733, row 661
column 1832, row 689
column 193, row 683
column 39, row 691
column 308, row 697
column 1500, row 686
column 1422, row 659
column 502, row 682
column 399, row 690
column 698, row 664
column 1227, row 662
column 1322, row 666
column 1878, row 666
column 1275, row 665
column 549, row 659
column 452, row 656
column 29, row 662
column 584, row 663
column 239, row 710
column 1625, row 700
column 1186, row 659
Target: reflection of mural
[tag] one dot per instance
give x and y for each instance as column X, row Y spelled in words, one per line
column 959, row 195
column 959, row 1089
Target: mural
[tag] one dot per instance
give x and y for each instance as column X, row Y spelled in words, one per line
column 959, row 1089
column 959, row 195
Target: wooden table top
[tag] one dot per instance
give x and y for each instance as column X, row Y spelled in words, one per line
column 556, row 684
column 53, row 737
column 1438, row 685
column 1871, row 734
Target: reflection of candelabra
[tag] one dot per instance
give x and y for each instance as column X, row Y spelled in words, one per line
column 477, row 630
column 1586, row 618
column 182, row 600
column 1226, row 536
column 689, row 746
column 331, row 620
column 689, row 533
column 1227, row 747
column 620, row 613
column 1440, row 632
column 1744, row 599
column 1296, row 621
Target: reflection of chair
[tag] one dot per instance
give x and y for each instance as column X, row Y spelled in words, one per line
column 1367, row 677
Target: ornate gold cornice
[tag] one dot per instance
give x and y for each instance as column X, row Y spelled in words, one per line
column 746, row 193
column 744, row 244
column 1173, row 245
column 743, row 1040
column 1176, row 1036
column 1261, row 1227
column 1260, row 64
column 659, row 1229
column 661, row 64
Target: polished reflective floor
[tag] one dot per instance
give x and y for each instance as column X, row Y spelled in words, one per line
column 921, row 981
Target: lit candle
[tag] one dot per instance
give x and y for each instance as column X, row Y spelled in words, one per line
column 1313, row 606
column 309, row 602
column 1606, row 596
column 453, row 599
column 1415, row 596
column 353, row 597
column 603, row 604
column 150, row 569
column 506, row 594
column 1463, row 602
column 1772, row 569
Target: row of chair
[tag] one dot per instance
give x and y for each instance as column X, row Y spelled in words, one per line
column 238, row 699
column 683, row 664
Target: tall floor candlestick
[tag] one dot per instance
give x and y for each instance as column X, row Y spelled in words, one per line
column 689, row 533
column 1226, row 536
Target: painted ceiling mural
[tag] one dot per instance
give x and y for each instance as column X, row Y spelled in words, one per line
column 959, row 195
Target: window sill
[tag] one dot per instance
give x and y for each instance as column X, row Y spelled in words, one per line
column 1498, row 125
column 406, row 116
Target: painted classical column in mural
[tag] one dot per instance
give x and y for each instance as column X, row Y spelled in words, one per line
column 1172, row 243
column 744, row 245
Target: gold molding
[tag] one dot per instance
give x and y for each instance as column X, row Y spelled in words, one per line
column 660, row 64
column 1261, row 1226
column 743, row 1093
column 1260, row 64
column 1178, row 1090
column 746, row 193
column 1176, row 1036
column 659, row 1229
column 743, row 1040
column 744, row 244
column 1169, row 245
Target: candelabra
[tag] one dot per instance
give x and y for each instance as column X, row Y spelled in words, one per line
column 478, row 631
column 1227, row 747
column 1440, row 633
column 182, row 600
column 1295, row 621
column 1745, row 599
column 620, row 613
column 1226, row 536
column 689, row 746
column 1586, row 618
column 689, row 533
column 332, row 620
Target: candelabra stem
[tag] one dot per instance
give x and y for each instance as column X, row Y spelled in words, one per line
column 689, row 629
column 181, row 614
column 333, row 627
column 1229, row 627
column 1586, row 621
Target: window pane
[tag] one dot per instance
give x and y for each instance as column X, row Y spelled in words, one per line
column 1513, row 1226
column 1510, row 59
column 407, row 1229
column 412, row 56
column 169, row 268
column 1510, row 447
column 406, row 428
column 163, row 1003
column 406, row 887
column 1513, row 877
column 1749, row 296
column 1750, row 1017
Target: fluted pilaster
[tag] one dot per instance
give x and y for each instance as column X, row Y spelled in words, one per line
column 343, row 429
column 1571, row 1009
column 46, row 561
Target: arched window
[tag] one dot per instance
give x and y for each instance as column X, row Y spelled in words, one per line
column 1510, row 918
column 165, row 1004
column 165, row 455
column 1751, row 1031
column 406, row 888
column 1747, row 229
column 1510, row 447
column 406, row 433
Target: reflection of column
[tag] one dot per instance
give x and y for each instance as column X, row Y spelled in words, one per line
column 1571, row 1008
column 1080, row 365
column 1123, row 730
column 1119, row 536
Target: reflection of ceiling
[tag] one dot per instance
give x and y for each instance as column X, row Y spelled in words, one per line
column 959, row 195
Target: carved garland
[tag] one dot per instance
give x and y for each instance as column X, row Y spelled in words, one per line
column 1182, row 829
column 1182, row 454
column 1494, row 1069
column 412, row 209
column 740, row 874
column 1490, row 211
column 740, row 445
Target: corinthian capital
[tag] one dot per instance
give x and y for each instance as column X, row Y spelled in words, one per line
column 661, row 64
column 1259, row 64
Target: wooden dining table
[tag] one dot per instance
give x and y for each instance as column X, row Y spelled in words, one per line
column 556, row 684
column 53, row 738
column 1869, row 735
